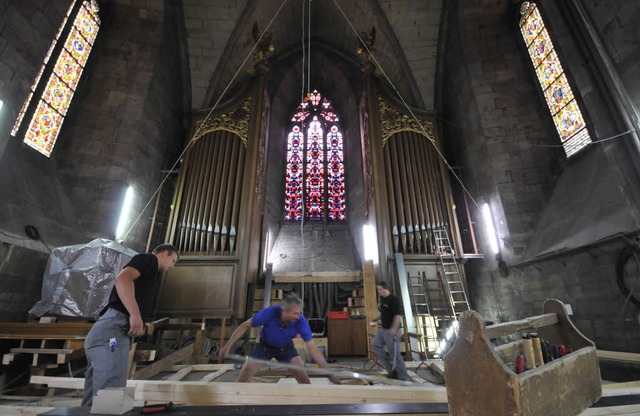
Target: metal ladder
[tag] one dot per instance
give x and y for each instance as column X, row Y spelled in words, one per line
column 451, row 276
column 426, row 324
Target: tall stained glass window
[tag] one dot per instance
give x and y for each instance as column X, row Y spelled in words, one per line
column 557, row 91
column 315, row 163
column 61, row 68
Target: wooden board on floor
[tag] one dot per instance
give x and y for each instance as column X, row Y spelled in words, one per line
column 226, row 393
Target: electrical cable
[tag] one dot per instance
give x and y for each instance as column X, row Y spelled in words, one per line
column 422, row 129
column 303, row 55
column 195, row 134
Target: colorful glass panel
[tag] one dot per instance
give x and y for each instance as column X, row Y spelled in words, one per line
column 68, row 69
column 86, row 24
column 57, row 94
column 569, row 121
column 336, row 209
column 309, row 176
column 293, row 191
column 43, row 129
column 540, row 48
column 559, row 96
column 549, row 70
column 531, row 23
column 315, row 172
column 77, row 46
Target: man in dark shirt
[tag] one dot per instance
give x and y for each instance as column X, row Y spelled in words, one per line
column 280, row 324
column 109, row 340
column 389, row 335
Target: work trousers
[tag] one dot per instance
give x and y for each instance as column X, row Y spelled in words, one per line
column 392, row 354
column 107, row 349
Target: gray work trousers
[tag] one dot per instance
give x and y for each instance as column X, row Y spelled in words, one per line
column 107, row 349
column 386, row 358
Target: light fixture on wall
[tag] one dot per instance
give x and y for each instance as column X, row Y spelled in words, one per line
column 123, row 220
column 370, row 243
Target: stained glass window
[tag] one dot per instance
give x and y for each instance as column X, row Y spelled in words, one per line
column 562, row 104
column 55, row 96
column 315, row 163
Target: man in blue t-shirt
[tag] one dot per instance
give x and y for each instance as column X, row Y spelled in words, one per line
column 280, row 324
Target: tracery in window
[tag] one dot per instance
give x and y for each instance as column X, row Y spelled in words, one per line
column 62, row 80
column 315, row 163
column 558, row 94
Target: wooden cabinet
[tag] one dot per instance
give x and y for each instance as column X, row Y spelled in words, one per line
column 347, row 336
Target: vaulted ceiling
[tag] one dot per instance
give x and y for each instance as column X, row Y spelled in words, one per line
column 220, row 40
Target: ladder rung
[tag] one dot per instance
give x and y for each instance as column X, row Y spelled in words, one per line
column 453, row 292
column 456, row 272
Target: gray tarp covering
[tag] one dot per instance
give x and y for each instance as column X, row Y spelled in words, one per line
column 78, row 279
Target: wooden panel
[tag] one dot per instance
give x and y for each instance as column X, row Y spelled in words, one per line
column 317, row 277
column 533, row 322
column 347, row 336
column 195, row 289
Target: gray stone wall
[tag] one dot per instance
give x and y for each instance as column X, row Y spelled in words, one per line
column 124, row 125
column 209, row 26
column 21, row 279
column 499, row 129
column 128, row 123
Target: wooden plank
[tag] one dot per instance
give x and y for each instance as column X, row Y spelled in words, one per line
column 532, row 322
column 619, row 356
column 164, row 363
column 52, row 351
column 30, row 330
column 632, row 409
column 317, row 277
column 196, row 393
column 202, row 367
column 211, row 376
column 179, row 375
column 144, row 355
column 151, row 327
column 24, row 410
column 625, row 385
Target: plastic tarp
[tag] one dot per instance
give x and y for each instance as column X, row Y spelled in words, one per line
column 78, row 279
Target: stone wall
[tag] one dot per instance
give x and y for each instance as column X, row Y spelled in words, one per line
column 499, row 130
column 125, row 124
column 128, row 125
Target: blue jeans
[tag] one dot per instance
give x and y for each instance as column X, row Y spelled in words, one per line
column 266, row 352
column 392, row 354
column 107, row 349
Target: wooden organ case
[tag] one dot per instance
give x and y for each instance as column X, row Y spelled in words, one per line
column 217, row 207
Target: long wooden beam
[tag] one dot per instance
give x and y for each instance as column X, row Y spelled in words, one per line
column 317, row 277
column 197, row 393
column 34, row 330
column 619, row 356
column 533, row 322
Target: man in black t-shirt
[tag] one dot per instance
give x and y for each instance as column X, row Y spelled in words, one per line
column 109, row 340
column 389, row 335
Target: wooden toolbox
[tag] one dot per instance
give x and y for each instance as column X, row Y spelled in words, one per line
column 481, row 380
